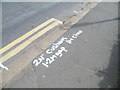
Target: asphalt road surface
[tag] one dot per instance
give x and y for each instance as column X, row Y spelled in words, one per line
column 86, row 59
column 20, row 17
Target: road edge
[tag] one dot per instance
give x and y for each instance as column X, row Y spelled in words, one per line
column 22, row 61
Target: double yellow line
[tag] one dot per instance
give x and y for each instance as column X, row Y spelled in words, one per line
column 54, row 22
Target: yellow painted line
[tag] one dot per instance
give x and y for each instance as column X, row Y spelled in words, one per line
column 59, row 21
column 26, row 43
column 26, row 35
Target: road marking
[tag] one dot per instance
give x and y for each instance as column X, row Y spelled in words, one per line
column 54, row 55
column 26, row 35
column 26, row 43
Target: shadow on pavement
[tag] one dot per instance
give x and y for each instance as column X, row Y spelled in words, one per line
column 110, row 75
column 91, row 23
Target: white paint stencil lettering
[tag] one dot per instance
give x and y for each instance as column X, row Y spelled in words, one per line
column 49, row 60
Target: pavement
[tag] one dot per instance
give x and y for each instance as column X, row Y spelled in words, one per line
column 85, row 56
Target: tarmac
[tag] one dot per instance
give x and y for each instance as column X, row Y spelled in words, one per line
column 84, row 56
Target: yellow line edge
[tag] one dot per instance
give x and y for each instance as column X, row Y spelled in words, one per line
column 26, row 35
column 26, row 43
